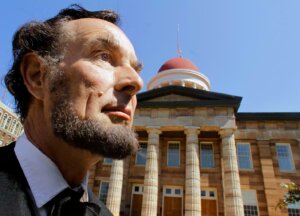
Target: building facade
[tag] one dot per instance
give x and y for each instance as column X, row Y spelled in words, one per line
column 10, row 125
column 199, row 155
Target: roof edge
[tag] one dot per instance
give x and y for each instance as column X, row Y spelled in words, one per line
column 268, row 116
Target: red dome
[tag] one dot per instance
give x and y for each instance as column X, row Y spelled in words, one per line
column 178, row 63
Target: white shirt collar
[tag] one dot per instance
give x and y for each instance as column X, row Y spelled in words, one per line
column 43, row 176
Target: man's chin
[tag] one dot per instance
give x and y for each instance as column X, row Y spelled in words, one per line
column 105, row 136
column 112, row 140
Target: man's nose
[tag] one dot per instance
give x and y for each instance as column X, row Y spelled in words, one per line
column 128, row 80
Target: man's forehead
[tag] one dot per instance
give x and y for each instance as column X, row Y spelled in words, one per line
column 89, row 28
column 89, row 22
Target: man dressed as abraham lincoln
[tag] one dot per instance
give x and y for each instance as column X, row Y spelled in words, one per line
column 74, row 78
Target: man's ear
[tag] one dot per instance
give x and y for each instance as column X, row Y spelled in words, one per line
column 33, row 72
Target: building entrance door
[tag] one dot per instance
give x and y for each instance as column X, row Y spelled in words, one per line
column 209, row 203
column 136, row 200
column 172, row 205
column 208, row 207
column 136, row 208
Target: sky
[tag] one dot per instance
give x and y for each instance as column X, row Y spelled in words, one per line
column 246, row 48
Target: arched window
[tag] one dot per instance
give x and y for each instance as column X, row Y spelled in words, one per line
column 16, row 131
column 7, row 123
column 1, row 112
column 13, row 125
column 3, row 122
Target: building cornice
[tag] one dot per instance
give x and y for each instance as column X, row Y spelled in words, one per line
column 268, row 116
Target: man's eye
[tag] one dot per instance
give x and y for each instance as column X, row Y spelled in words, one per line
column 105, row 56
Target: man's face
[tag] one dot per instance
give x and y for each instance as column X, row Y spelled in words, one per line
column 93, row 91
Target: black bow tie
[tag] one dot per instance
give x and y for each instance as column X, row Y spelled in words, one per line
column 68, row 203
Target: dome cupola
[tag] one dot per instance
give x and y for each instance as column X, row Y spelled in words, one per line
column 181, row 72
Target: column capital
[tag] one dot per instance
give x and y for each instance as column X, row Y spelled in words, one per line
column 191, row 130
column 153, row 129
column 226, row 132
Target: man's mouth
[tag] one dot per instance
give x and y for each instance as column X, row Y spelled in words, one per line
column 117, row 114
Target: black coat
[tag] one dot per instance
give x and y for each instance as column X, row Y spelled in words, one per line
column 15, row 196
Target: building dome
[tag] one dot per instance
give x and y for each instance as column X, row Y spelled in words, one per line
column 179, row 72
column 178, row 63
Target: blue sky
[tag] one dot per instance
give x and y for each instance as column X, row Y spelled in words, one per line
column 246, row 48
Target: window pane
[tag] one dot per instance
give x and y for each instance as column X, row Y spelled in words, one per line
column 250, row 210
column 141, row 155
column 284, row 158
column 168, row 190
column 207, row 157
column 249, row 197
column 244, row 156
column 103, row 191
column 250, row 203
column 107, row 160
column 177, row 191
column 173, row 155
column 203, row 193
column 294, row 212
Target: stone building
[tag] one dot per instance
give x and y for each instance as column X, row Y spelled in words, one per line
column 10, row 125
column 199, row 155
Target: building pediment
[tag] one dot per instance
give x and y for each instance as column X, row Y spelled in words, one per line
column 178, row 96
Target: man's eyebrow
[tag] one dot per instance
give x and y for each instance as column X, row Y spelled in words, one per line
column 105, row 42
column 137, row 66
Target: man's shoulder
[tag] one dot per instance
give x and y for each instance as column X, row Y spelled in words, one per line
column 9, row 177
column 7, row 157
column 10, row 180
column 13, row 198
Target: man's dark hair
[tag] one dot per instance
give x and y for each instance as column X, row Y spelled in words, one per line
column 43, row 38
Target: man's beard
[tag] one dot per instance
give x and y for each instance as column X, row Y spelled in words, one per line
column 100, row 136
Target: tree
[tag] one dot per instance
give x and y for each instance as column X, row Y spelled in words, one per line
column 292, row 196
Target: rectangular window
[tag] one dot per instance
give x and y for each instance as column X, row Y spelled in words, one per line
column 284, row 156
column 294, row 212
column 107, row 161
column 250, row 203
column 177, row 191
column 173, row 191
column 168, row 191
column 294, row 209
column 244, row 156
column 209, row 194
column 138, row 189
column 103, row 191
column 141, row 155
column 207, row 155
column 173, row 155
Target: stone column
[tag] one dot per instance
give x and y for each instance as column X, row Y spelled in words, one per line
column 150, row 195
column 233, row 202
column 192, row 174
column 114, row 195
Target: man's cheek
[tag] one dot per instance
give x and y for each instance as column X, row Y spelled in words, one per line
column 134, row 103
